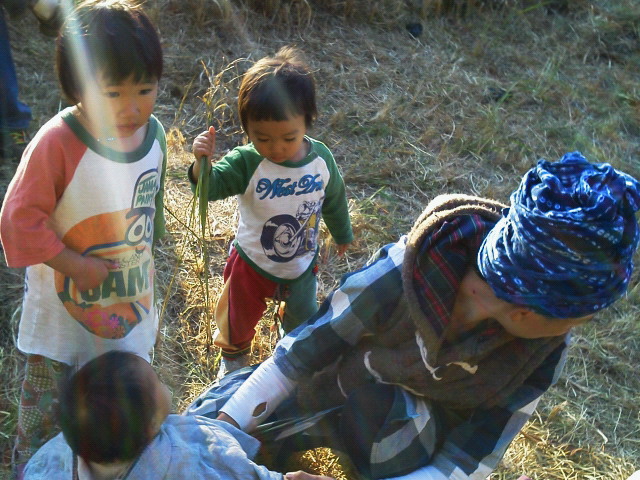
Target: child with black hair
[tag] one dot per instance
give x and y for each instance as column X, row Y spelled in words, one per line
column 285, row 183
column 111, row 409
column 114, row 415
column 86, row 206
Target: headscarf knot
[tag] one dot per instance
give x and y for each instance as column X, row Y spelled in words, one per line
column 565, row 246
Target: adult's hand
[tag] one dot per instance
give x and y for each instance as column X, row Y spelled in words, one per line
column 300, row 475
column 226, row 418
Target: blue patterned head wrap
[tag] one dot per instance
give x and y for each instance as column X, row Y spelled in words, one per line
column 564, row 247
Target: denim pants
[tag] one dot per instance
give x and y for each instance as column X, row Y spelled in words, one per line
column 375, row 428
column 14, row 115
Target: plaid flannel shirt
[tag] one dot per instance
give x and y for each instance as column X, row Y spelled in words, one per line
column 368, row 302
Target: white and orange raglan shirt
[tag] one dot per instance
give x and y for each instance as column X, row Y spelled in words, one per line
column 72, row 190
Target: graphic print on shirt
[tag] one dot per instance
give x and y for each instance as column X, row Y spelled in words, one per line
column 125, row 298
column 284, row 236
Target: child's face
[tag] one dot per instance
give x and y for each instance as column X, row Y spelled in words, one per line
column 279, row 141
column 119, row 110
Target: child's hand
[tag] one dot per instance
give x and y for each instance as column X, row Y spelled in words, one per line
column 342, row 249
column 94, row 271
column 86, row 272
column 203, row 146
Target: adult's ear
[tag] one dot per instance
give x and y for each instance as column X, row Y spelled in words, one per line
column 520, row 314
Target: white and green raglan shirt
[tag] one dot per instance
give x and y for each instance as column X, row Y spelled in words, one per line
column 72, row 191
column 280, row 207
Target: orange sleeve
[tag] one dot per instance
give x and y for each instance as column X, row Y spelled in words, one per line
column 46, row 168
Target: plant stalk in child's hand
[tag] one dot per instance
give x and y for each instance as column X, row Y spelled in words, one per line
column 202, row 196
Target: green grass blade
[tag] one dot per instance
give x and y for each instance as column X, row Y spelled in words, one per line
column 202, row 197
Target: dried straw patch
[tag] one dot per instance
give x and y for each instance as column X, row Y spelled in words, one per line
column 11, row 361
column 467, row 106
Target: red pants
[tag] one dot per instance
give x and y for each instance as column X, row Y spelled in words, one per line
column 243, row 302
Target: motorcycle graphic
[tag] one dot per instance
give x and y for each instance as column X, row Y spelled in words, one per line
column 284, row 236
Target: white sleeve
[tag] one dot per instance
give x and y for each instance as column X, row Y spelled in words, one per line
column 262, row 392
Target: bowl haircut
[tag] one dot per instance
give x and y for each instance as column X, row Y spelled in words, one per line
column 113, row 40
column 277, row 88
column 107, row 408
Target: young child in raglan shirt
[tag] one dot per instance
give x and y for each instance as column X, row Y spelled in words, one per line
column 285, row 182
column 85, row 207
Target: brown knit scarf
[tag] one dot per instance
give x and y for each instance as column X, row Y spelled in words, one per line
column 480, row 371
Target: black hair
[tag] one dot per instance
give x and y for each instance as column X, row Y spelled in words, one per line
column 114, row 38
column 107, row 408
column 275, row 88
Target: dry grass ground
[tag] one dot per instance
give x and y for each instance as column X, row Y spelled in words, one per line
column 466, row 106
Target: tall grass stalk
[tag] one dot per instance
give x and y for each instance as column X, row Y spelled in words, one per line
column 201, row 197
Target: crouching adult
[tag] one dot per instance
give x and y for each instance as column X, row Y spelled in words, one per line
column 426, row 363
